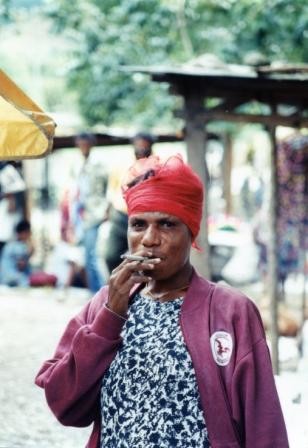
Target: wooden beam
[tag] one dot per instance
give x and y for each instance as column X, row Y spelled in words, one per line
column 229, row 104
column 231, row 92
column 273, row 252
column 227, row 170
column 291, row 90
column 195, row 136
column 285, row 68
column 68, row 141
column 296, row 121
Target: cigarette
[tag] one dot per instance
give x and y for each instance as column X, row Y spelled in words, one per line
column 133, row 257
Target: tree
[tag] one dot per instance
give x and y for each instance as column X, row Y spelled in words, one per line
column 110, row 35
column 4, row 11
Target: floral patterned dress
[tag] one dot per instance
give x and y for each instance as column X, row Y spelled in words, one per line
column 149, row 395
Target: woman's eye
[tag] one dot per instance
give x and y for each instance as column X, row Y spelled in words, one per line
column 137, row 225
column 166, row 223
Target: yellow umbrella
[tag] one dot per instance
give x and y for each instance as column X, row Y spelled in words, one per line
column 25, row 130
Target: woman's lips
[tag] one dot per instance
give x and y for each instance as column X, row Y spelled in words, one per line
column 152, row 256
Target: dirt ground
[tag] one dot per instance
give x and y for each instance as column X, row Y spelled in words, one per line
column 31, row 322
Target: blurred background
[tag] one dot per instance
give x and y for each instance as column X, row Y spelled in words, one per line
column 228, row 80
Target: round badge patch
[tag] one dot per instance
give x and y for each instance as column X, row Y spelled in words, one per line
column 222, row 346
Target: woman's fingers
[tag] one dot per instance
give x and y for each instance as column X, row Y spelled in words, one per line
column 122, row 279
column 127, row 267
column 130, row 272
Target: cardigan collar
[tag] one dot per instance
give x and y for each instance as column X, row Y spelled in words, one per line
column 199, row 289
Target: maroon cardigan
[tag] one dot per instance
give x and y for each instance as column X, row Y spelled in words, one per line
column 239, row 399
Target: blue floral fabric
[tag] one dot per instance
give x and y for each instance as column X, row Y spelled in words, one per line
column 149, row 396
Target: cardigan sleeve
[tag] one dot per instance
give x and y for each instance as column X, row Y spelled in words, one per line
column 72, row 378
column 255, row 402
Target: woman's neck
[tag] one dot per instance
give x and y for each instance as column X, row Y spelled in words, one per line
column 171, row 286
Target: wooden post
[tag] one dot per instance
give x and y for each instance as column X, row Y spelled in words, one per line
column 195, row 140
column 27, row 205
column 45, row 199
column 303, row 263
column 45, row 204
column 227, row 170
column 273, row 253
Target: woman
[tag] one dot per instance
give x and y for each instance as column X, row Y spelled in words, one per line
column 162, row 357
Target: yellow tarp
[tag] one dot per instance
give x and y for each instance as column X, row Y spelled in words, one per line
column 25, row 130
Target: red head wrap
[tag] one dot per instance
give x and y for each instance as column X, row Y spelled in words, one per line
column 171, row 187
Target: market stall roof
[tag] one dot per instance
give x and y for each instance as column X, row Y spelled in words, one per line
column 283, row 87
column 276, row 94
column 25, row 130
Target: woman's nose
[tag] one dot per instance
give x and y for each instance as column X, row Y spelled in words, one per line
column 151, row 237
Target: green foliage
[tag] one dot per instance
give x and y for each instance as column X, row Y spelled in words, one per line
column 4, row 11
column 274, row 28
column 109, row 35
column 9, row 7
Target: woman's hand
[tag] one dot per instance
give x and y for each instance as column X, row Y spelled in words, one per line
column 124, row 277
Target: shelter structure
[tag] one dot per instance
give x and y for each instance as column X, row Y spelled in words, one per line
column 215, row 91
column 109, row 139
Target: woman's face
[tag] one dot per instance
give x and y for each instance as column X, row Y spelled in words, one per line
column 164, row 236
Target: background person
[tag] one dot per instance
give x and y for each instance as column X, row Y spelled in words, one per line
column 162, row 357
column 12, row 187
column 15, row 263
column 116, row 243
column 15, row 260
column 9, row 217
column 90, row 208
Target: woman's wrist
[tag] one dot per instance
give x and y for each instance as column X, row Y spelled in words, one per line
column 116, row 313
